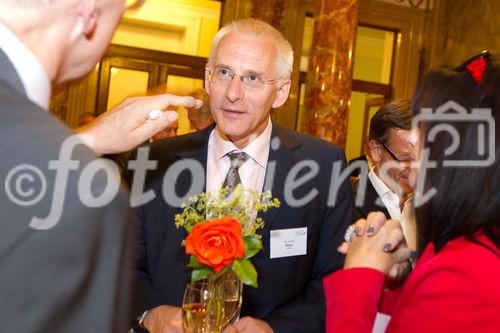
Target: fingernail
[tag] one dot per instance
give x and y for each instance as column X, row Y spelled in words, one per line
column 395, row 272
column 190, row 101
column 370, row 231
column 413, row 256
column 357, row 230
column 172, row 116
column 387, row 247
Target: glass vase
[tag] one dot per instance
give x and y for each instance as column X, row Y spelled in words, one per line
column 210, row 305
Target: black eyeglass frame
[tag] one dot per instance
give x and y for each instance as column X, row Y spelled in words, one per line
column 212, row 74
column 394, row 157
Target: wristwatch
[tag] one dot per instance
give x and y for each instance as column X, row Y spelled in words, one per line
column 138, row 323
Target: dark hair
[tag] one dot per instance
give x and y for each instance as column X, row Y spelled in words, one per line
column 392, row 115
column 467, row 199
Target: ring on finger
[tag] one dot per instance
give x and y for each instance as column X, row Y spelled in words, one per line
column 154, row 114
column 349, row 232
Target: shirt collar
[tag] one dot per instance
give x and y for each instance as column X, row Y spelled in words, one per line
column 30, row 70
column 258, row 149
column 381, row 188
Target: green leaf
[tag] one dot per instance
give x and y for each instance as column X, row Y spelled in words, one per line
column 200, row 274
column 245, row 271
column 253, row 245
column 194, row 263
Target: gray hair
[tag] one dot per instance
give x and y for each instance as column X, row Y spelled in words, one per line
column 251, row 27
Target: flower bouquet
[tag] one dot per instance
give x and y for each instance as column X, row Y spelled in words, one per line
column 222, row 239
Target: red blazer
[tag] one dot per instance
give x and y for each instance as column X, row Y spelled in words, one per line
column 456, row 290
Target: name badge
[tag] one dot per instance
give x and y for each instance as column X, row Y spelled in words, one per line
column 288, row 242
column 381, row 322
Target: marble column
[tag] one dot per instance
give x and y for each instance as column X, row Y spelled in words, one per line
column 271, row 11
column 329, row 77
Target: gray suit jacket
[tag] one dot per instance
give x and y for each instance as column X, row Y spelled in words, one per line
column 73, row 277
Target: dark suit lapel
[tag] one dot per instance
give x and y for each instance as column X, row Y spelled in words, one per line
column 9, row 75
column 373, row 198
column 370, row 200
column 280, row 161
column 197, row 149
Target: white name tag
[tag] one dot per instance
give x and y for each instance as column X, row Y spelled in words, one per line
column 288, row 242
column 381, row 322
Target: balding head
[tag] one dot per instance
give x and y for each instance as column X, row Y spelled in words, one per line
column 67, row 36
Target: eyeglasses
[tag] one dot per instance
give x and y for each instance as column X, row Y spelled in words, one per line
column 403, row 163
column 224, row 76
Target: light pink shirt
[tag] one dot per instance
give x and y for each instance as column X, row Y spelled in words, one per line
column 252, row 172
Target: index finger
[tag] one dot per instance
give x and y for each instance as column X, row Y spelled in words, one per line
column 165, row 100
column 395, row 235
column 375, row 221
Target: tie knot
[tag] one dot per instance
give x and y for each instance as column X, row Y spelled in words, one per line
column 237, row 159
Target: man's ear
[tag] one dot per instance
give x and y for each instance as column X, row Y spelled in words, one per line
column 374, row 151
column 282, row 94
column 88, row 14
column 207, row 82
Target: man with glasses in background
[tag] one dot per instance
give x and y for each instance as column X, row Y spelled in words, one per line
column 391, row 153
column 248, row 75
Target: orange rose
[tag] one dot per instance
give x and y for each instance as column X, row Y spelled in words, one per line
column 216, row 243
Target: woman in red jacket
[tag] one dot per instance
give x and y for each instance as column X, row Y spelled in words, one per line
column 455, row 285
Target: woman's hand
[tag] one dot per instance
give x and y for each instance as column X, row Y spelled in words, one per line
column 382, row 248
column 363, row 227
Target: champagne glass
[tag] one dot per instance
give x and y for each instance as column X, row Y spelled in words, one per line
column 195, row 312
column 209, row 306
column 229, row 294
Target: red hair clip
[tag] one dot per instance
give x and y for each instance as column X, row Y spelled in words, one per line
column 476, row 66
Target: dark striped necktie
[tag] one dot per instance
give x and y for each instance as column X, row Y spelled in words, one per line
column 233, row 177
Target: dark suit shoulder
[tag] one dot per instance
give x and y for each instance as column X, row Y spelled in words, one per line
column 186, row 142
column 310, row 147
column 368, row 200
column 168, row 151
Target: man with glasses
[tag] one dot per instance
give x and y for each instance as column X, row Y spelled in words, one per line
column 248, row 75
column 391, row 152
